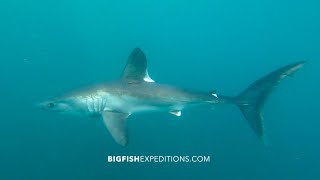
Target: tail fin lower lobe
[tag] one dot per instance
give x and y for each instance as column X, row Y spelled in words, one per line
column 252, row 99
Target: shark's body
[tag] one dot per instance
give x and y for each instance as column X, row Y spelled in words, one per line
column 137, row 92
column 131, row 98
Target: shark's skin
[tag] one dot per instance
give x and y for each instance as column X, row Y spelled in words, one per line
column 136, row 92
column 131, row 98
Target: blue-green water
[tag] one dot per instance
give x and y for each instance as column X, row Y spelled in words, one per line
column 50, row 47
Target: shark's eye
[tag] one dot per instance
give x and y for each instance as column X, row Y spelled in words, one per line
column 50, row 105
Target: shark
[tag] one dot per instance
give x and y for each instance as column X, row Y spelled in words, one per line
column 136, row 92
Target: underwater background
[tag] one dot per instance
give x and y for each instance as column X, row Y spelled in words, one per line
column 50, row 47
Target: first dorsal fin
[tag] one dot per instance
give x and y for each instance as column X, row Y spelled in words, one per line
column 136, row 68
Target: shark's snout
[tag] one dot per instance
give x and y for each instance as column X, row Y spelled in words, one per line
column 47, row 105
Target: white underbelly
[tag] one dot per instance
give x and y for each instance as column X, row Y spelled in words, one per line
column 96, row 104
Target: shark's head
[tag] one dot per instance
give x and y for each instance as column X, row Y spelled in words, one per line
column 61, row 105
column 56, row 106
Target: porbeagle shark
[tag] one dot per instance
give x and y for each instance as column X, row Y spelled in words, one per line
column 136, row 92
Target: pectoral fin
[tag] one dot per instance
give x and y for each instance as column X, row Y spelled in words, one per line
column 116, row 124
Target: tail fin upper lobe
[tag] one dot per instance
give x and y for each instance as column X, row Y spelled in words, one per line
column 252, row 99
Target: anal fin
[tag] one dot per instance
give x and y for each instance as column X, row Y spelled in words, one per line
column 176, row 113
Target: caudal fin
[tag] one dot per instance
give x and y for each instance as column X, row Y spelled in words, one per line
column 251, row 100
